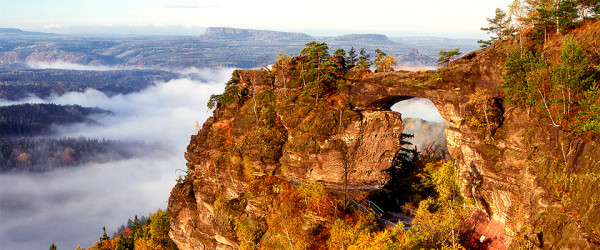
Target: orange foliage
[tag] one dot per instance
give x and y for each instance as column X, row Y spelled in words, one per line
column 126, row 232
column 68, row 156
column 23, row 157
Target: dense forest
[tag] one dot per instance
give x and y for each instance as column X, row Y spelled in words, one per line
column 18, row 84
column 43, row 154
column 38, row 119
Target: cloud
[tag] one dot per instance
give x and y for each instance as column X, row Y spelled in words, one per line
column 69, row 206
column 68, row 66
column 159, row 114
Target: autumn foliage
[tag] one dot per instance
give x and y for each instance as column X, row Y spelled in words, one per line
column 153, row 235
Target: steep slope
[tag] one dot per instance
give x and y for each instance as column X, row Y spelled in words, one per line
column 539, row 182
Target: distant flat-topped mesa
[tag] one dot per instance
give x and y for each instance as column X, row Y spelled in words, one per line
column 276, row 124
column 235, row 33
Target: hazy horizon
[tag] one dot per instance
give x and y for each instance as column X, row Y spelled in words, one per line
column 175, row 31
column 456, row 19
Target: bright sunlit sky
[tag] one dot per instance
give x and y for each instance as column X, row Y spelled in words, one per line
column 450, row 18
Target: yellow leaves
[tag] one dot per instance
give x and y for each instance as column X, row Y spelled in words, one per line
column 364, row 234
column 445, row 180
column 437, row 220
column 387, row 64
column 340, row 234
column 23, row 157
column 249, row 231
column 143, row 244
column 68, row 155
column 436, row 224
column 485, row 111
column 248, row 169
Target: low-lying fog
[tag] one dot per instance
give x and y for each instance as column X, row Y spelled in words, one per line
column 69, row 206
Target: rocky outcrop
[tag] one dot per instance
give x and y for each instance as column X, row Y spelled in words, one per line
column 260, row 133
column 536, row 180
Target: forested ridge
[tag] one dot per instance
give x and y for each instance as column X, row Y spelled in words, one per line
column 18, row 84
column 38, row 119
column 44, row 154
column 426, row 133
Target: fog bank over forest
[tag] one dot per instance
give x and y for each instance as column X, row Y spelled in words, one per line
column 69, row 206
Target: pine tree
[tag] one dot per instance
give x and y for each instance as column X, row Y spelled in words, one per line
column 379, row 57
column 447, row 56
column 136, row 230
column 104, row 236
column 403, row 176
column 565, row 14
column 340, row 59
column 364, row 60
column 352, row 58
column 499, row 25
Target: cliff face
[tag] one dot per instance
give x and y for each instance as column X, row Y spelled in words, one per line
column 267, row 129
column 512, row 163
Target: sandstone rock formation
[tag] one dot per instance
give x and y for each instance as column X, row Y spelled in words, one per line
column 525, row 174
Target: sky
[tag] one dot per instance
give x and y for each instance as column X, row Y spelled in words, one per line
column 457, row 18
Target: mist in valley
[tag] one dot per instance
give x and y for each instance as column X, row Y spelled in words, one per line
column 69, row 206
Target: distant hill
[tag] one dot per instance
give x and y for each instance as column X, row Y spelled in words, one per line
column 216, row 47
column 250, row 34
column 431, row 46
column 10, row 30
column 361, row 39
column 18, row 32
column 21, row 83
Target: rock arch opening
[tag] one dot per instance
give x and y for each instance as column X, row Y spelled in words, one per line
column 422, row 119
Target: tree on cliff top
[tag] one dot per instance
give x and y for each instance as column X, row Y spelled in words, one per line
column 320, row 72
column 384, row 62
column 364, row 60
column 340, row 59
column 352, row 57
column 499, row 25
column 448, row 56
column 316, row 53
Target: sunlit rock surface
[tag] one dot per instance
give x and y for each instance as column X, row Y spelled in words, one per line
column 506, row 166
